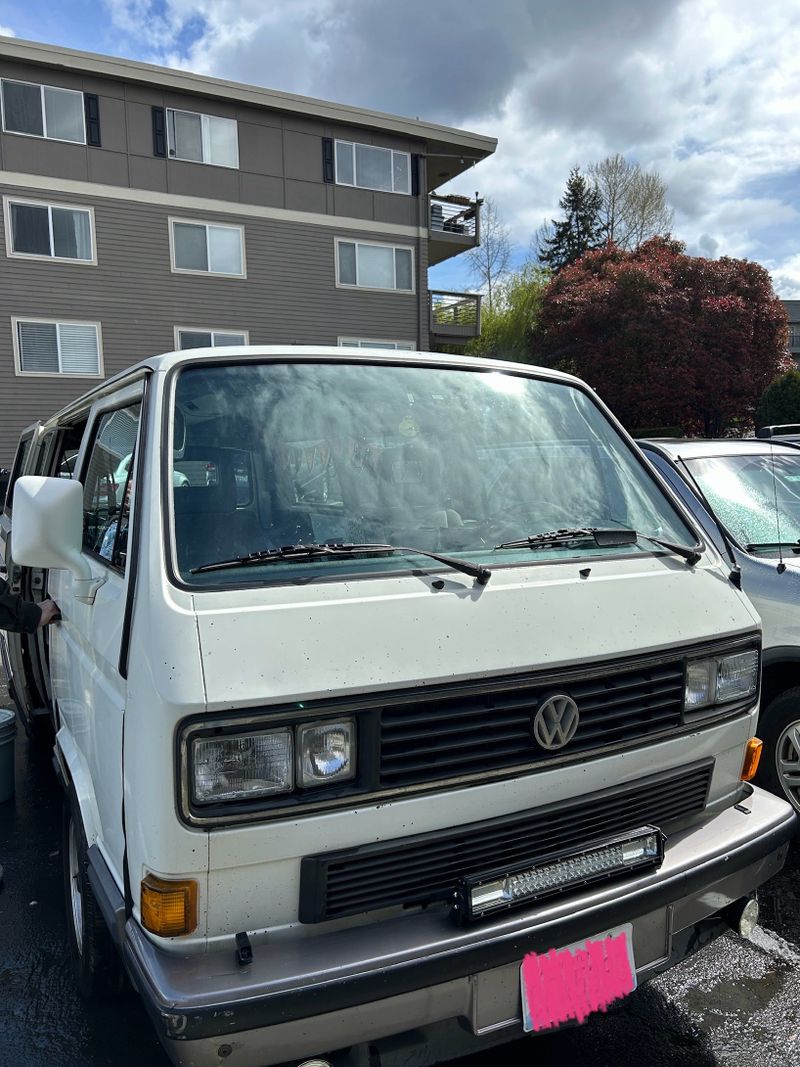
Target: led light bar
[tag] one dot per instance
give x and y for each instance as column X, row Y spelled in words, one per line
column 551, row 875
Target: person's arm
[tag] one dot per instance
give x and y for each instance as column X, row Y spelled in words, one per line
column 16, row 614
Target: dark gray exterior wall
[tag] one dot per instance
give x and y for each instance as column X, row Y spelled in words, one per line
column 289, row 294
column 280, row 156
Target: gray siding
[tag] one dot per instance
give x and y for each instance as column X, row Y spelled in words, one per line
column 289, row 296
column 280, row 156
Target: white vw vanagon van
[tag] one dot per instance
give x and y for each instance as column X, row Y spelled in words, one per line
column 399, row 709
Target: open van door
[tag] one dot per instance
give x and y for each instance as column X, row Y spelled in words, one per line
column 22, row 653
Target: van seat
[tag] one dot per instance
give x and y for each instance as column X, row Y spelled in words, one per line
column 208, row 526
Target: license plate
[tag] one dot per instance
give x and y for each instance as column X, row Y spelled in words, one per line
column 568, row 984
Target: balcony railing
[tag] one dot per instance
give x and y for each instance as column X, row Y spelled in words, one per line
column 455, row 214
column 454, row 226
column 454, row 316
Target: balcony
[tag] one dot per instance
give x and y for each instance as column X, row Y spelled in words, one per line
column 454, row 317
column 454, row 226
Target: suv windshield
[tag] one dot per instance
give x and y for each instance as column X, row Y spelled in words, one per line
column 756, row 497
column 453, row 461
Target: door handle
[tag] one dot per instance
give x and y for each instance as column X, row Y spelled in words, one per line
column 85, row 589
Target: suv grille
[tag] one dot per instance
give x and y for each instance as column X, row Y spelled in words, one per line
column 425, row 868
column 446, row 736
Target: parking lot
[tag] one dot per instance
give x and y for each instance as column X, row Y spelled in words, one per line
column 734, row 1004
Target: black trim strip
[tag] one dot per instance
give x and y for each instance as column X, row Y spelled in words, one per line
column 109, row 898
column 134, row 534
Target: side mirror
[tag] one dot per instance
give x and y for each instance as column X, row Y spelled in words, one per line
column 47, row 528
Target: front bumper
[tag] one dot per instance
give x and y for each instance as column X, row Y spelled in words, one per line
column 305, row 996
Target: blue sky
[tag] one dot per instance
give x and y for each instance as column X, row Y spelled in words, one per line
column 703, row 91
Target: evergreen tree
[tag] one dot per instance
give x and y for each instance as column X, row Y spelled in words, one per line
column 580, row 230
column 780, row 403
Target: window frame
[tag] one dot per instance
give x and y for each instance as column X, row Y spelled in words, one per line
column 88, row 209
column 203, row 116
column 41, row 86
column 206, row 329
column 21, row 373
column 373, row 288
column 369, row 342
column 205, row 273
column 119, row 402
column 378, row 148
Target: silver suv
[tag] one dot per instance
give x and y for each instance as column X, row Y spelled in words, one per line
column 746, row 496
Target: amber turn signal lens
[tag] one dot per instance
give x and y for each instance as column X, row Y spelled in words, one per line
column 752, row 755
column 169, row 908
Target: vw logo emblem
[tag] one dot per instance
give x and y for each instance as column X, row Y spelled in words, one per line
column 556, row 721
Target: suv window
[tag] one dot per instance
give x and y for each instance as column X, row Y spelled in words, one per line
column 107, row 485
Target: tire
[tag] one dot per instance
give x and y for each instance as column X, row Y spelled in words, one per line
column 779, row 729
column 96, row 963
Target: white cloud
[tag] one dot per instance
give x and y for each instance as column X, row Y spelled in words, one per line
column 6, row 31
column 705, row 91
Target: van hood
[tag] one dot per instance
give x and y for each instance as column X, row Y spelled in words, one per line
column 297, row 642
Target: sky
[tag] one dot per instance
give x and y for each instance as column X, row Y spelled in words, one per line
column 705, row 92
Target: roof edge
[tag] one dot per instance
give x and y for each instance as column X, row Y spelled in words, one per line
column 257, row 96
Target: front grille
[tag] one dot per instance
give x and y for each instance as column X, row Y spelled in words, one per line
column 490, row 729
column 425, row 869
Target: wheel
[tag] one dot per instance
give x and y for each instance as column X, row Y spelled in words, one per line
column 97, row 966
column 779, row 729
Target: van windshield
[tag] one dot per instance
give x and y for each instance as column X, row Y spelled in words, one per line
column 267, row 455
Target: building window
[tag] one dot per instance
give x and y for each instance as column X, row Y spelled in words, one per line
column 73, row 349
column 206, row 248
column 368, row 342
column 202, row 138
column 49, row 231
column 43, row 111
column 368, row 167
column 369, row 265
column 189, row 337
column 794, row 335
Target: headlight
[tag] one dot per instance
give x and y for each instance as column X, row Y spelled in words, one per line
column 721, row 679
column 242, row 766
column 326, row 752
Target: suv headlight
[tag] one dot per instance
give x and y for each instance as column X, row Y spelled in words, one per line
column 326, row 752
column 721, row 679
column 242, row 766
column 264, row 763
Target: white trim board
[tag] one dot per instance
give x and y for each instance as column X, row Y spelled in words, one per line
column 71, row 187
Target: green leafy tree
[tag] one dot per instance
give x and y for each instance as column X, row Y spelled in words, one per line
column 507, row 327
column 633, row 202
column 667, row 339
column 579, row 231
column 780, row 403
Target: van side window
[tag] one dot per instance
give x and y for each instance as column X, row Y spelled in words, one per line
column 107, row 485
column 17, row 469
column 66, row 453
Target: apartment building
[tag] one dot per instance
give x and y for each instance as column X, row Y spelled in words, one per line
column 146, row 209
column 793, row 315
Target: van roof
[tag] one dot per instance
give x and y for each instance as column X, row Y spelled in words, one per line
column 289, row 353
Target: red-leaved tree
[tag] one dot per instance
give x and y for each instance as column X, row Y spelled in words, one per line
column 666, row 339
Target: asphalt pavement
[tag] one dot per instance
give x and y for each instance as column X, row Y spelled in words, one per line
column 734, row 1004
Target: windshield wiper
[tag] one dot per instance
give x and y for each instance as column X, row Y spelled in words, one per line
column 793, row 545
column 604, row 538
column 302, row 553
